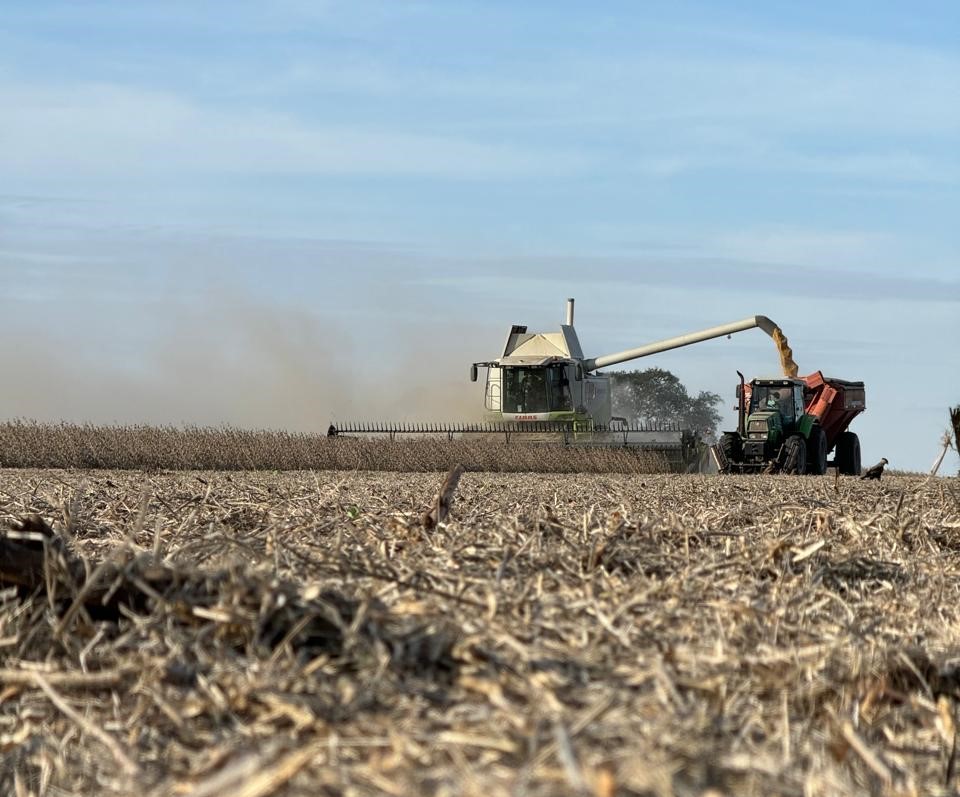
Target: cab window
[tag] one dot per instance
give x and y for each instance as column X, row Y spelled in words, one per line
column 536, row 389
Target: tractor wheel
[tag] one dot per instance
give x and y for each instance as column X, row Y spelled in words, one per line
column 848, row 454
column 731, row 446
column 795, row 461
column 817, row 452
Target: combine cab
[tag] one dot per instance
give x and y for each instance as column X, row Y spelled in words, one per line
column 791, row 424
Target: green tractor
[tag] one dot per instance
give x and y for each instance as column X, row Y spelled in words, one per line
column 791, row 424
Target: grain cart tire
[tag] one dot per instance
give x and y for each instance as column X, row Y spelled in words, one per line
column 848, row 454
column 795, row 461
column 817, row 452
column 731, row 446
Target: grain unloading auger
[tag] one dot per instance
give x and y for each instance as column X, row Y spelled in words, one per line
column 543, row 389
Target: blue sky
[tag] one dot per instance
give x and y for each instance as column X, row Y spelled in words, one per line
column 277, row 215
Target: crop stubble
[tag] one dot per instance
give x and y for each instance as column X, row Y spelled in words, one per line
column 558, row 635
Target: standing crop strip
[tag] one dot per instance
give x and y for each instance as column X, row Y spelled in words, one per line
column 28, row 444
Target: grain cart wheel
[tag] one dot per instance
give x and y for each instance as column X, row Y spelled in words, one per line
column 731, row 446
column 796, row 460
column 817, row 452
column 848, row 454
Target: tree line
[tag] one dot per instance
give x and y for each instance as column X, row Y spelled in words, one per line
column 655, row 395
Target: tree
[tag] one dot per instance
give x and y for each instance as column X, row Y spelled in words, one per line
column 657, row 396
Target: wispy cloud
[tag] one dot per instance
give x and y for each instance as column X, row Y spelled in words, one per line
column 102, row 131
column 705, row 276
column 769, row 101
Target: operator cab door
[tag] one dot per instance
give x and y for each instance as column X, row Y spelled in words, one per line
column 492, row 397
column 559, row 394
column 798, row 403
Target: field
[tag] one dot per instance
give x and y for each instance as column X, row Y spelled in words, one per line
column 302, row 634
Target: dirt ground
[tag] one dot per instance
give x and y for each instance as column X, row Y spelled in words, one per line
column 302, row 634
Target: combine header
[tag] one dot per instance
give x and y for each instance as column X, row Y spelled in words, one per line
column 542, row 389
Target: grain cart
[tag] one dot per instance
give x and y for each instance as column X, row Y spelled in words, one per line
column 791, row 424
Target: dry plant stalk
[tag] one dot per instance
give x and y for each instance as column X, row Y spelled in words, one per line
column 946, row 444
column 128, row 766
column 443, row 500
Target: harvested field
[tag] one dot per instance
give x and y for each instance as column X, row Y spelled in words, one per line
column 29, row 444
column 302, row 634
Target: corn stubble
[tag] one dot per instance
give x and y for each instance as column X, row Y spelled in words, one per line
column 29, row 444
column 302, row 634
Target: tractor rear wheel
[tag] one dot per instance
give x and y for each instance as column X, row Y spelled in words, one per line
column 731, row 446
column 817, row 452
column 795, row 461
column 848, row 454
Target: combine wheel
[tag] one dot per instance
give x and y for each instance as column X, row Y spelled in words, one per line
column 795, row 461
column 848, row 454
column 817, row 452
column 732, row 447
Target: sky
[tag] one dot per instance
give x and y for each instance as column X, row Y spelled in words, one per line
column 277, row 215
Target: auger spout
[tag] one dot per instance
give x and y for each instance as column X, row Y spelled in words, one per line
column 757, row 321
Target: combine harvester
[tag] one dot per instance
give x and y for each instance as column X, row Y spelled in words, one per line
column 542, row 389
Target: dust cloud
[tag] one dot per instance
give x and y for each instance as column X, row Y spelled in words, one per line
column 240, row 363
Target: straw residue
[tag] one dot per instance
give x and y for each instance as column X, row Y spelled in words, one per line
column 608, row 635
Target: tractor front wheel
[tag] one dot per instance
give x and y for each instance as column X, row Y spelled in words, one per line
column 795, row 461
column 732, row 447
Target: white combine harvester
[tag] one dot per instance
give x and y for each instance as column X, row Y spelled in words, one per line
column 544, row 389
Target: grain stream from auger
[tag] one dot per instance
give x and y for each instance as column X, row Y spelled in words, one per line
column 787, row 364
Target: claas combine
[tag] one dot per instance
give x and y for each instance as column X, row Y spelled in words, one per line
column 790, row 424
column 543, row 389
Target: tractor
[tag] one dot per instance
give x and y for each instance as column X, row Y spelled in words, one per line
column 792, row 424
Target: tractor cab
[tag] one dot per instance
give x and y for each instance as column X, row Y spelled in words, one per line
column 774, row 411
column 781, row 396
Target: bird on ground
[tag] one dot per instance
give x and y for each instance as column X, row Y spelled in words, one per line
column 876, row 471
